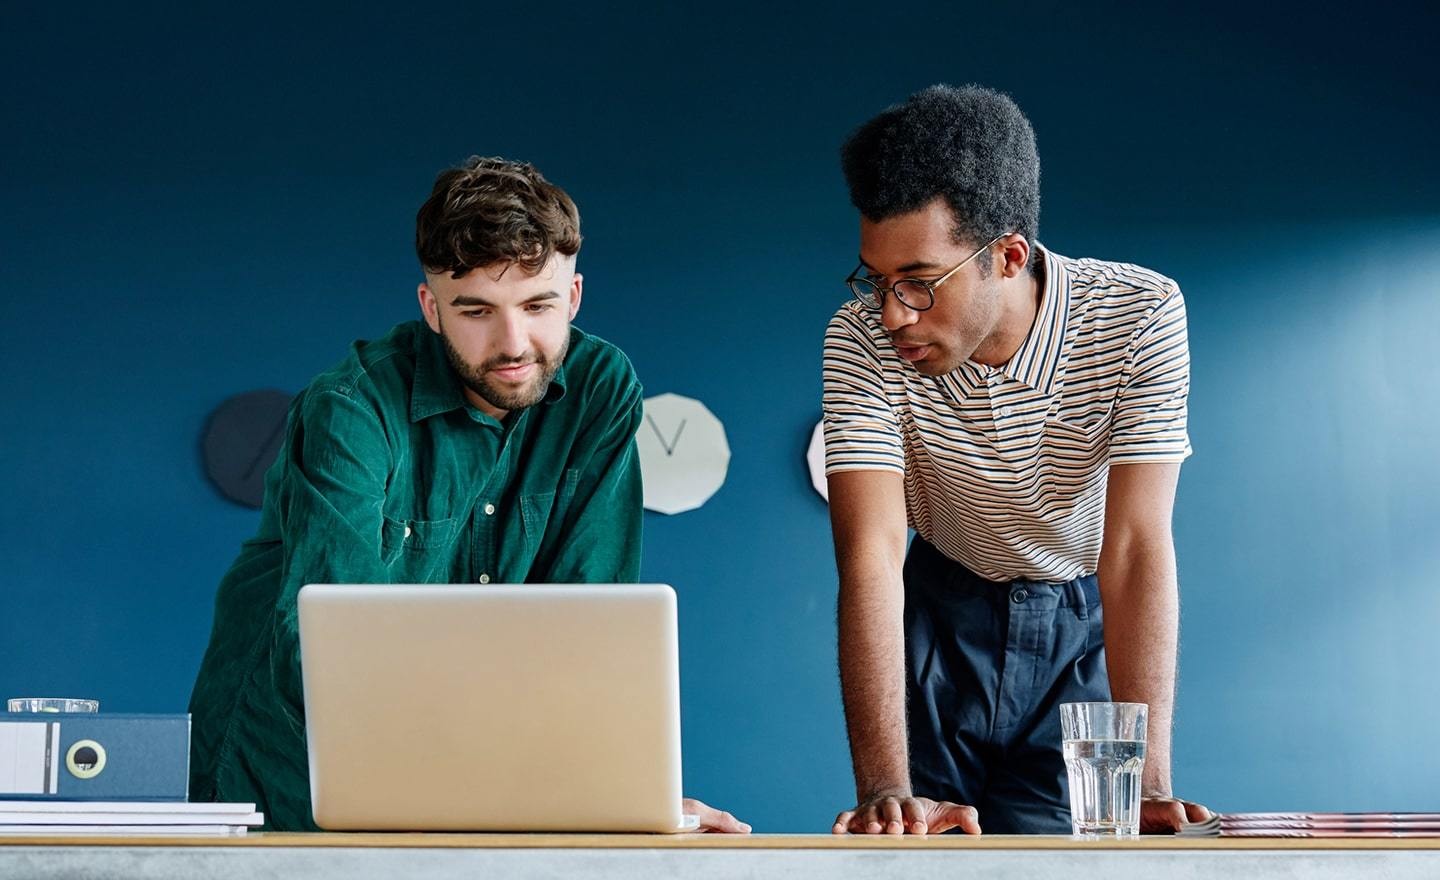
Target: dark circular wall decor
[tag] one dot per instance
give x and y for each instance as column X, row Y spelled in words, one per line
column 241, row 441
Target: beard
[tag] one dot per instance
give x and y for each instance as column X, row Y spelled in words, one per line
column 506, row 396
column 958, row 344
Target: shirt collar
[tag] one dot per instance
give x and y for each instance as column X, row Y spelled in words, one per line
column 437, row 389
column 1038, row 359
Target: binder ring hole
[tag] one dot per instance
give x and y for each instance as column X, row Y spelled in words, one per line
column 86, row 759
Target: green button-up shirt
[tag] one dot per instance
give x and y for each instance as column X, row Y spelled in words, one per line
column 388, row 475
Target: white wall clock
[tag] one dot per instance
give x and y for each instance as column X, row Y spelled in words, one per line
column 683, row 453
column 815, row 457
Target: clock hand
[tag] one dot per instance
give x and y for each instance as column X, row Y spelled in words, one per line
column 658, row 436
column 668, row 447
column 674, row 441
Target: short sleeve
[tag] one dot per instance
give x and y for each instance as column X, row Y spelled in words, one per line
column 861, row 431
column 1151, row 407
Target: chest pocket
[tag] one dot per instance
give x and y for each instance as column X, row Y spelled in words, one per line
column 1078, row 441
column 539, row 509
column 414, row 549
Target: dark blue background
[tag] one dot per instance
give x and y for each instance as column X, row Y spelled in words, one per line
column 199, row 203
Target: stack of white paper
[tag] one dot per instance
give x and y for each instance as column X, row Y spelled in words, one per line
column 1316, row 825
column 157, row 819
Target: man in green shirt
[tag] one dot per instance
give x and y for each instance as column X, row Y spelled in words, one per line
column 494, row 443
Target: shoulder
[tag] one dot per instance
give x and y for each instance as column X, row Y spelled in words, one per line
column 856, row 330
column 376, row 377
column 598, row 373
column 1120, row 288
column 1113, row 300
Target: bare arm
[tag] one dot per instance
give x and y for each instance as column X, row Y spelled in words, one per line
column 867, row 517
column 1140, row 594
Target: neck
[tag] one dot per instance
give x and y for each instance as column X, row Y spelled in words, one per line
column 485, row 406
column 1019, row 304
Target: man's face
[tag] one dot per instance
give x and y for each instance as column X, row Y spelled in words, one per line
column 506, row 332
column 967, row 307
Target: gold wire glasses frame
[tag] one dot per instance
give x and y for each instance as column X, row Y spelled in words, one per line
column 917, row 295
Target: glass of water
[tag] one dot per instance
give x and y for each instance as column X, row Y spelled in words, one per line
column 1104, row 746
column 51, row 704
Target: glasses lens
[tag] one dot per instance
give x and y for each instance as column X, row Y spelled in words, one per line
column 914, row 294
column 867, row 293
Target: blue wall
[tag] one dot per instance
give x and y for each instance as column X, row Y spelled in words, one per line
column 198, row 204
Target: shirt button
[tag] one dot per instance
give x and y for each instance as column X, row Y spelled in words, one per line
column 489, row 509
column 1005, row 412
column 408, row 531
column 1019, row 597
column 484, row 578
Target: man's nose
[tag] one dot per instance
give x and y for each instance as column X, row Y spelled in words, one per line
column 894, row 314
column 514, row 342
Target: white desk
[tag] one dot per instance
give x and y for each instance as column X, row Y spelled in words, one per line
column 703, row 857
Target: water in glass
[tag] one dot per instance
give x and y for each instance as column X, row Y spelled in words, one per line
column 1105, row 785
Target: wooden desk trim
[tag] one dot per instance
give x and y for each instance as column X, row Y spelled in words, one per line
column 367, row 840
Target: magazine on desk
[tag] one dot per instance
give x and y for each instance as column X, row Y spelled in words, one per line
column 126, row 818
column 187, row 830
column 1316, row 825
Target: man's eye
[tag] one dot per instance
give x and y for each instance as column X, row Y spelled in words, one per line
column 539, row 307
column 476, row 313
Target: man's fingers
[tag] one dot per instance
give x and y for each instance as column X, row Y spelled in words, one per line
column 945, row 815
column 728, row 824
column 871, row 819
column 891, row 815
column 1161, row 815
column 712, row 819
column 1196, row 812
column 864, row 816
column 906, row 815
column 913, row 814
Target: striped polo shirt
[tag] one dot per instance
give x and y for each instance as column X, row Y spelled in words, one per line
column 1005, row 468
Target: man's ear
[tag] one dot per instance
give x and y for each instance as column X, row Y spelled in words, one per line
column 429, row 306
column 575, row 290
column 1013, row 254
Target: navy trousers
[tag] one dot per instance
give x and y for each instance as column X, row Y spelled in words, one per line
column 987, row 666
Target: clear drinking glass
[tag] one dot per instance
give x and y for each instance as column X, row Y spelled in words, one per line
column 52, row 704
column 1104, row 745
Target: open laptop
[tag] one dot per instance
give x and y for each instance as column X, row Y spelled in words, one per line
column 494, row 708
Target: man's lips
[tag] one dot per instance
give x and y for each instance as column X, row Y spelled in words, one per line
column 515, row 372
column 912, row 352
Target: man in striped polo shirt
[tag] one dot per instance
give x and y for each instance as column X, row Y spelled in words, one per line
column 1025, row 414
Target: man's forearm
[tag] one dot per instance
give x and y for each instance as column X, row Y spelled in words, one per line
column 872, row 678
column 1141, row 601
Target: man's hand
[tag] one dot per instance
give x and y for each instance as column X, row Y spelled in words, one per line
column 712, row 819
column 906, row 814
column 1166, row 815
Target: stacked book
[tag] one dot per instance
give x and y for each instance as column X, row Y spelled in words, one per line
column 41, row 818
column 1316, row 825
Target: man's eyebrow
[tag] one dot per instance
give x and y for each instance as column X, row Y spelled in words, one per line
column 908, row 268
column 466, row 299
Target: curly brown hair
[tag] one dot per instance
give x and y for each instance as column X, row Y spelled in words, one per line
column 490, row 210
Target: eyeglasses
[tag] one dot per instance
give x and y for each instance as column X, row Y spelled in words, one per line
column 917, row 295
